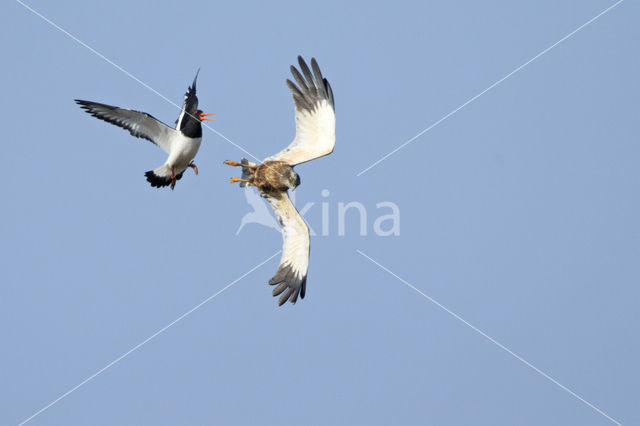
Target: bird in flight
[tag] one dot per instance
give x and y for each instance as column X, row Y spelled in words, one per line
column 181, row 143
column 315, row 137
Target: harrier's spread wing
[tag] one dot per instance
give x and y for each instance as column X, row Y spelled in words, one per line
column 291, row 275
column 315, row 116
column 139, row 124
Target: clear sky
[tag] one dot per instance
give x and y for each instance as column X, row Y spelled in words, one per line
column 519, row 213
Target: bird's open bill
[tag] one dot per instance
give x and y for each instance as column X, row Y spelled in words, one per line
column 206, row 114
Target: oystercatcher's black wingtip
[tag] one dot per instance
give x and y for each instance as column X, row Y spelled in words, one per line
column 160, row 181
column 193, row 85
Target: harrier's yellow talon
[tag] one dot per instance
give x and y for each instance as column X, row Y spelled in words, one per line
column 236, row 179
column 232, row 163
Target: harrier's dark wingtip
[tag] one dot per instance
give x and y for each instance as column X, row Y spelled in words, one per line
column 312, row 88
column 290, row 285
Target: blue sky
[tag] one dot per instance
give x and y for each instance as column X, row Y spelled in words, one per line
column 519, row 213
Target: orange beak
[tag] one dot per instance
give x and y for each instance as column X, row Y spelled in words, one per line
column 204, row 115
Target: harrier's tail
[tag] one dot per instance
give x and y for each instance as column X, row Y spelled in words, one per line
column 247, row 172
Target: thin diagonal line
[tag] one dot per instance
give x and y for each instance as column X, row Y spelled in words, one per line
column 490, row 87
column 491, row 339
column 145, row 341
column 127, row 73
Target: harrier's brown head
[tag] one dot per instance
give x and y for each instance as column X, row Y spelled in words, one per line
column 290, row 179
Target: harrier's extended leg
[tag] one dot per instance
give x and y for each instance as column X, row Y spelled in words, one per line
column 194, row 167
column 236, row 164
column 173, row 178
column 236, row 179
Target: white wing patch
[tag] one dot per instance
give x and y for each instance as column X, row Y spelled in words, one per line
column 291, row 275
column 315, row 136
column 314, row 115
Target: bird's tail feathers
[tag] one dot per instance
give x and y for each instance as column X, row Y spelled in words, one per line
column 161, row 176
column 247, row 172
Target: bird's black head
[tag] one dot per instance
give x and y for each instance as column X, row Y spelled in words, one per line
column 191, row 126
column 191, row 117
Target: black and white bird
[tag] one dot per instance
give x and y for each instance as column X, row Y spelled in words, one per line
column 181, row 143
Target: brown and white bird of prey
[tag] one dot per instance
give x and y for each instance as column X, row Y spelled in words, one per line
column 315, row 137
column 181, row 143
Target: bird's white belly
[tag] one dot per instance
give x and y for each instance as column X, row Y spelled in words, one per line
column 183, row 152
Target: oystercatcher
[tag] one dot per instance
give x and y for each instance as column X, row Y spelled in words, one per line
column 181, row 143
